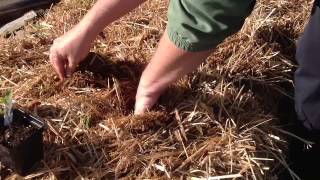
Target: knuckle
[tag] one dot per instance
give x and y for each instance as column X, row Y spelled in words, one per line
column 72, row 65
column 52, row 50
column 57, row 40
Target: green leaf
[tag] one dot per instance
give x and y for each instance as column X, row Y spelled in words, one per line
column 8, row 97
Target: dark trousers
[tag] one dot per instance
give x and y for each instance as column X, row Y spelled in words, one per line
column 307, row 76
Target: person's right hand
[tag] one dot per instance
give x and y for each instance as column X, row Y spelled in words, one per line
column 68, row 51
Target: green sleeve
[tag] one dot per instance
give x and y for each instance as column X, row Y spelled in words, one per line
column 198, row 25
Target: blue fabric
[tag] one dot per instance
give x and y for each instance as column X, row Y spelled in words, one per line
column 307, row 76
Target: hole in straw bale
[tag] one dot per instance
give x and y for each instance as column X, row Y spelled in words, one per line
column 279, row 38
column 48, row 111
column 120, row 69
column 143, row 21
column 27, row 45
column 142, row 123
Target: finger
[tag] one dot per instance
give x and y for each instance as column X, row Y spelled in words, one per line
column 71, row 67
column 58, row 62
column 139, row 109
column 143, row 104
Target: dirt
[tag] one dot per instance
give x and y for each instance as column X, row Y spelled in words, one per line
column 15, row 134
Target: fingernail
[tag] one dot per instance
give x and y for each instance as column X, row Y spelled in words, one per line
column 68, row 74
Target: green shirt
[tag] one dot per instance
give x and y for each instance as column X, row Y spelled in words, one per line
column 198, row 25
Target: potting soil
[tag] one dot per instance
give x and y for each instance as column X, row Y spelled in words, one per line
column 15, row 134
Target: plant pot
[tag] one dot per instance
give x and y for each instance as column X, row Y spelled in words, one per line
column 12, row 9
column 22, row 153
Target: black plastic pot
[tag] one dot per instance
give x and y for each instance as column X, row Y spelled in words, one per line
column 26, row 154
column 12, row 9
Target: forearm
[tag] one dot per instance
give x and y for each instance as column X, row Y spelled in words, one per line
column 103, row 13
column 168, row 65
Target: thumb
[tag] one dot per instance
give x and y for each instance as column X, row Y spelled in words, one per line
column 58, row 62
column 144, row 104
column 139, row 108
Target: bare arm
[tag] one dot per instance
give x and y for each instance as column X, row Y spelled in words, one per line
column 168, row 65
column 68, row 50
column 105, row 12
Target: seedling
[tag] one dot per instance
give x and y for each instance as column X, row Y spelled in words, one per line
column 6, row 101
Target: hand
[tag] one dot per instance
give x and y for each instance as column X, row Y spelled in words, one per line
column 147, row 96
column 68, row 51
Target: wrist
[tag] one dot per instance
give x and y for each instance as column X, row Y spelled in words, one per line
column 84, row 32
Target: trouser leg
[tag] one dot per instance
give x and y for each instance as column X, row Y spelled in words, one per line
column 307, row 76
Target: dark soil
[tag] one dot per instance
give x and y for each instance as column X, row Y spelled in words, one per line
column 14, row 135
